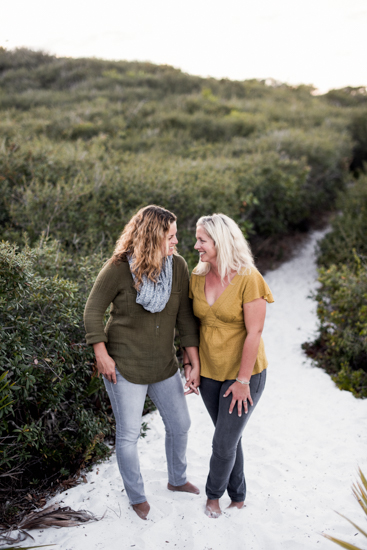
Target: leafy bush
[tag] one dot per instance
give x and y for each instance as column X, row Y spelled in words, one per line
column 348, row 96
column 83, row 193
column 54, row 414
column 278, row 189
column 341, row 346
column 87, row 142
column 326, row 152
column 358, row 130
column 349, row 227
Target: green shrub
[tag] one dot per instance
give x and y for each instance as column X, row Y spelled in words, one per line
column 358, row 130
column 325, row 150
column 84, row 193
column 278, row 188
column 213, row 129
column 341, row 346
column 349, row 227
column 87, row 142
column 348, row 96
column 54, row 412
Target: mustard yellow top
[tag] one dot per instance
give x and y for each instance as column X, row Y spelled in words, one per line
column 222, row 326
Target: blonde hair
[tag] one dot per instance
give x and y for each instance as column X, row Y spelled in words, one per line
column 233, row 251
column 142, row 238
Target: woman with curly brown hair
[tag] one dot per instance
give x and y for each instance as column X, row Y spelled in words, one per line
column 146, row 282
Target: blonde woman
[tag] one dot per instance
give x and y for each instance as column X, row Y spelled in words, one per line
column 229, row 298
column 146, row 282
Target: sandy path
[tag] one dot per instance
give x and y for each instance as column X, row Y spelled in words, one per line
column 302, row 447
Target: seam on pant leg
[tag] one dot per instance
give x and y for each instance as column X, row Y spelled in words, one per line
column 222, row 414
column 161, row 405
column 112, row 395
column 158, row 403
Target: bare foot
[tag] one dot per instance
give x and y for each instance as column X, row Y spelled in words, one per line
column 212, row 508
column 186, row 488
column 142, row 509
column 238, row 505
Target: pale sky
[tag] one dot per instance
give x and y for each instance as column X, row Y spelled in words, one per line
column 319, row 42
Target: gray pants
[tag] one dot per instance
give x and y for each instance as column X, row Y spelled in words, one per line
column 127, row 402
column 226, row 463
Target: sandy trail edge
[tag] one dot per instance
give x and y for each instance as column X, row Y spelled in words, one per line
column 302, row 448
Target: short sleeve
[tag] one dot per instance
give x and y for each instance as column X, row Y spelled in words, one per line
column 256, row 287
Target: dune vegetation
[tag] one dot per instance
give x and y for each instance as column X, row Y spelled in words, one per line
column 84, row 143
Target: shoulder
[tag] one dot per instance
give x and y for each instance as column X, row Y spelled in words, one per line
column 253, row 285
column 252, row 275
column 195, row 280
column 180, row 264
column 111, row 270
column 179, row 261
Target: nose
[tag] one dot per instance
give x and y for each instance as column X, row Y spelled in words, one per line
column 196, row 246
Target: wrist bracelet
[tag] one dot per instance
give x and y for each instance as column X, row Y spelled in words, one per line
column 184, row 365
column 243, row 382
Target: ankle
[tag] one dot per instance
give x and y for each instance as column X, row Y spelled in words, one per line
column 238, row 505
column 212, row 507
column 141, row 509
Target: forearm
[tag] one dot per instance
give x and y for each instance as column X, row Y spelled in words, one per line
column 192, row 369
column 249, row 354
column 193, row 355
column 100, row 350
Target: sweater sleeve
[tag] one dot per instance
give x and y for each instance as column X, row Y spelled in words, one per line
column 186, row 321
column 102, row 294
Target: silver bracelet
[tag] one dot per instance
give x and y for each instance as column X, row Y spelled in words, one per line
column 243, row 382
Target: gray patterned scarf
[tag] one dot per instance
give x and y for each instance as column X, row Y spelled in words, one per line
column 154, row 296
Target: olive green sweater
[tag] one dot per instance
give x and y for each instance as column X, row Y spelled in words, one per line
column 140, row 342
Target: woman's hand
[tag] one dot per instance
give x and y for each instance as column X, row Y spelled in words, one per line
column 241, row 395
column 192, row 375
column 105, row 364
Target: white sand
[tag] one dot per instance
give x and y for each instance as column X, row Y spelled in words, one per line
column 302, row 448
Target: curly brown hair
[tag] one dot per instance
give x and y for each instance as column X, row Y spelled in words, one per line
column 142, row 237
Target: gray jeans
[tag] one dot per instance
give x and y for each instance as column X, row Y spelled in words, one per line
column 127, row 402
column 226, row 463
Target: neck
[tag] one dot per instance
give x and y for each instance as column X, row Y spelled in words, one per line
column 214, row 270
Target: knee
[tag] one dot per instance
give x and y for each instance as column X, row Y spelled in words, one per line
column 186, row 424
column 223, row 451
column 127, row 436
column 179, row 425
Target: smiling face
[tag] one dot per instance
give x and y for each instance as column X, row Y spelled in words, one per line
column 170, row 240
column 205, row 246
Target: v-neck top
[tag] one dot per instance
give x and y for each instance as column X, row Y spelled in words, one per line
column 222, row 326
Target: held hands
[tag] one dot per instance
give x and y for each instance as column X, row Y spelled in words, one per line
column 240, row 394
column 192, row 376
